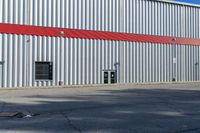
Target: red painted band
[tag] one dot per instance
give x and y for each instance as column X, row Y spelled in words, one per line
column 92, row 34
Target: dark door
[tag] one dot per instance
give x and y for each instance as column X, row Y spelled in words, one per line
column 106, row 78
column 112, row 78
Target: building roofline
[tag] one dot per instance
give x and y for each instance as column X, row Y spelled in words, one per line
column 179, row 3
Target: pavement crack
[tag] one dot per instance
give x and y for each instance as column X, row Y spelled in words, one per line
column 75, row 109
column 71, row 125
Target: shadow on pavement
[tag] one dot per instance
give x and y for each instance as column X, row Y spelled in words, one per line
column 109, row 111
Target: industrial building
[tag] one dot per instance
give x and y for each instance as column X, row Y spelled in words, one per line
column 83, row 42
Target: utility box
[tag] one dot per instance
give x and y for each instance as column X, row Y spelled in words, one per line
column 110, row 77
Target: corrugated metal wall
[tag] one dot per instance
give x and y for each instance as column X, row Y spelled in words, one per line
column 84, row 14
column 160, row 63
column 145, row 62
column 75, row 61
column 160, row 18
column 82, row 61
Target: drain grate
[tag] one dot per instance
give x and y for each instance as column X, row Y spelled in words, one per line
column 17, row 115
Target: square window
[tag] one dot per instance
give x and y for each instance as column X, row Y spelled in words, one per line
column 43, row 70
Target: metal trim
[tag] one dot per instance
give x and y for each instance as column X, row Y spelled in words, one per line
column 178, row 3
column 94, row 34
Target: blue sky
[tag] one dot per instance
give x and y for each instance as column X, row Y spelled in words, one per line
column 191, row 1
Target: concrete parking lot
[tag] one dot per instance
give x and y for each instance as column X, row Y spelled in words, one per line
column 166, row 108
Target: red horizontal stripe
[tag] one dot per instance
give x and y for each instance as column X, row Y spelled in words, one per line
column 93, row 34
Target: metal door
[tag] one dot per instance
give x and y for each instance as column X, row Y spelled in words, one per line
column 110, row 77
column 106, row 79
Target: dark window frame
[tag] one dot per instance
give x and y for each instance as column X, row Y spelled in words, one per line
column 43, row 71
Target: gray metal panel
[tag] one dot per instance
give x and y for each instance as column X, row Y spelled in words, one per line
column 13, row 11
column 154, row 63
column 82, row 61
column 75, row 61
column 1, row 69
column 84, row 14
column 160, row 18
column 132, row 16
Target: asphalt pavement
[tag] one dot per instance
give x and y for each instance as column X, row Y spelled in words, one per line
column 164, row 108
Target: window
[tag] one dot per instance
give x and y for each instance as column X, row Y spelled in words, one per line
column 43, row 70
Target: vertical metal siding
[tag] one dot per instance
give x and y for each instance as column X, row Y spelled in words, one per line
column 84, row 14
column 82, row 61
column 155, row 62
